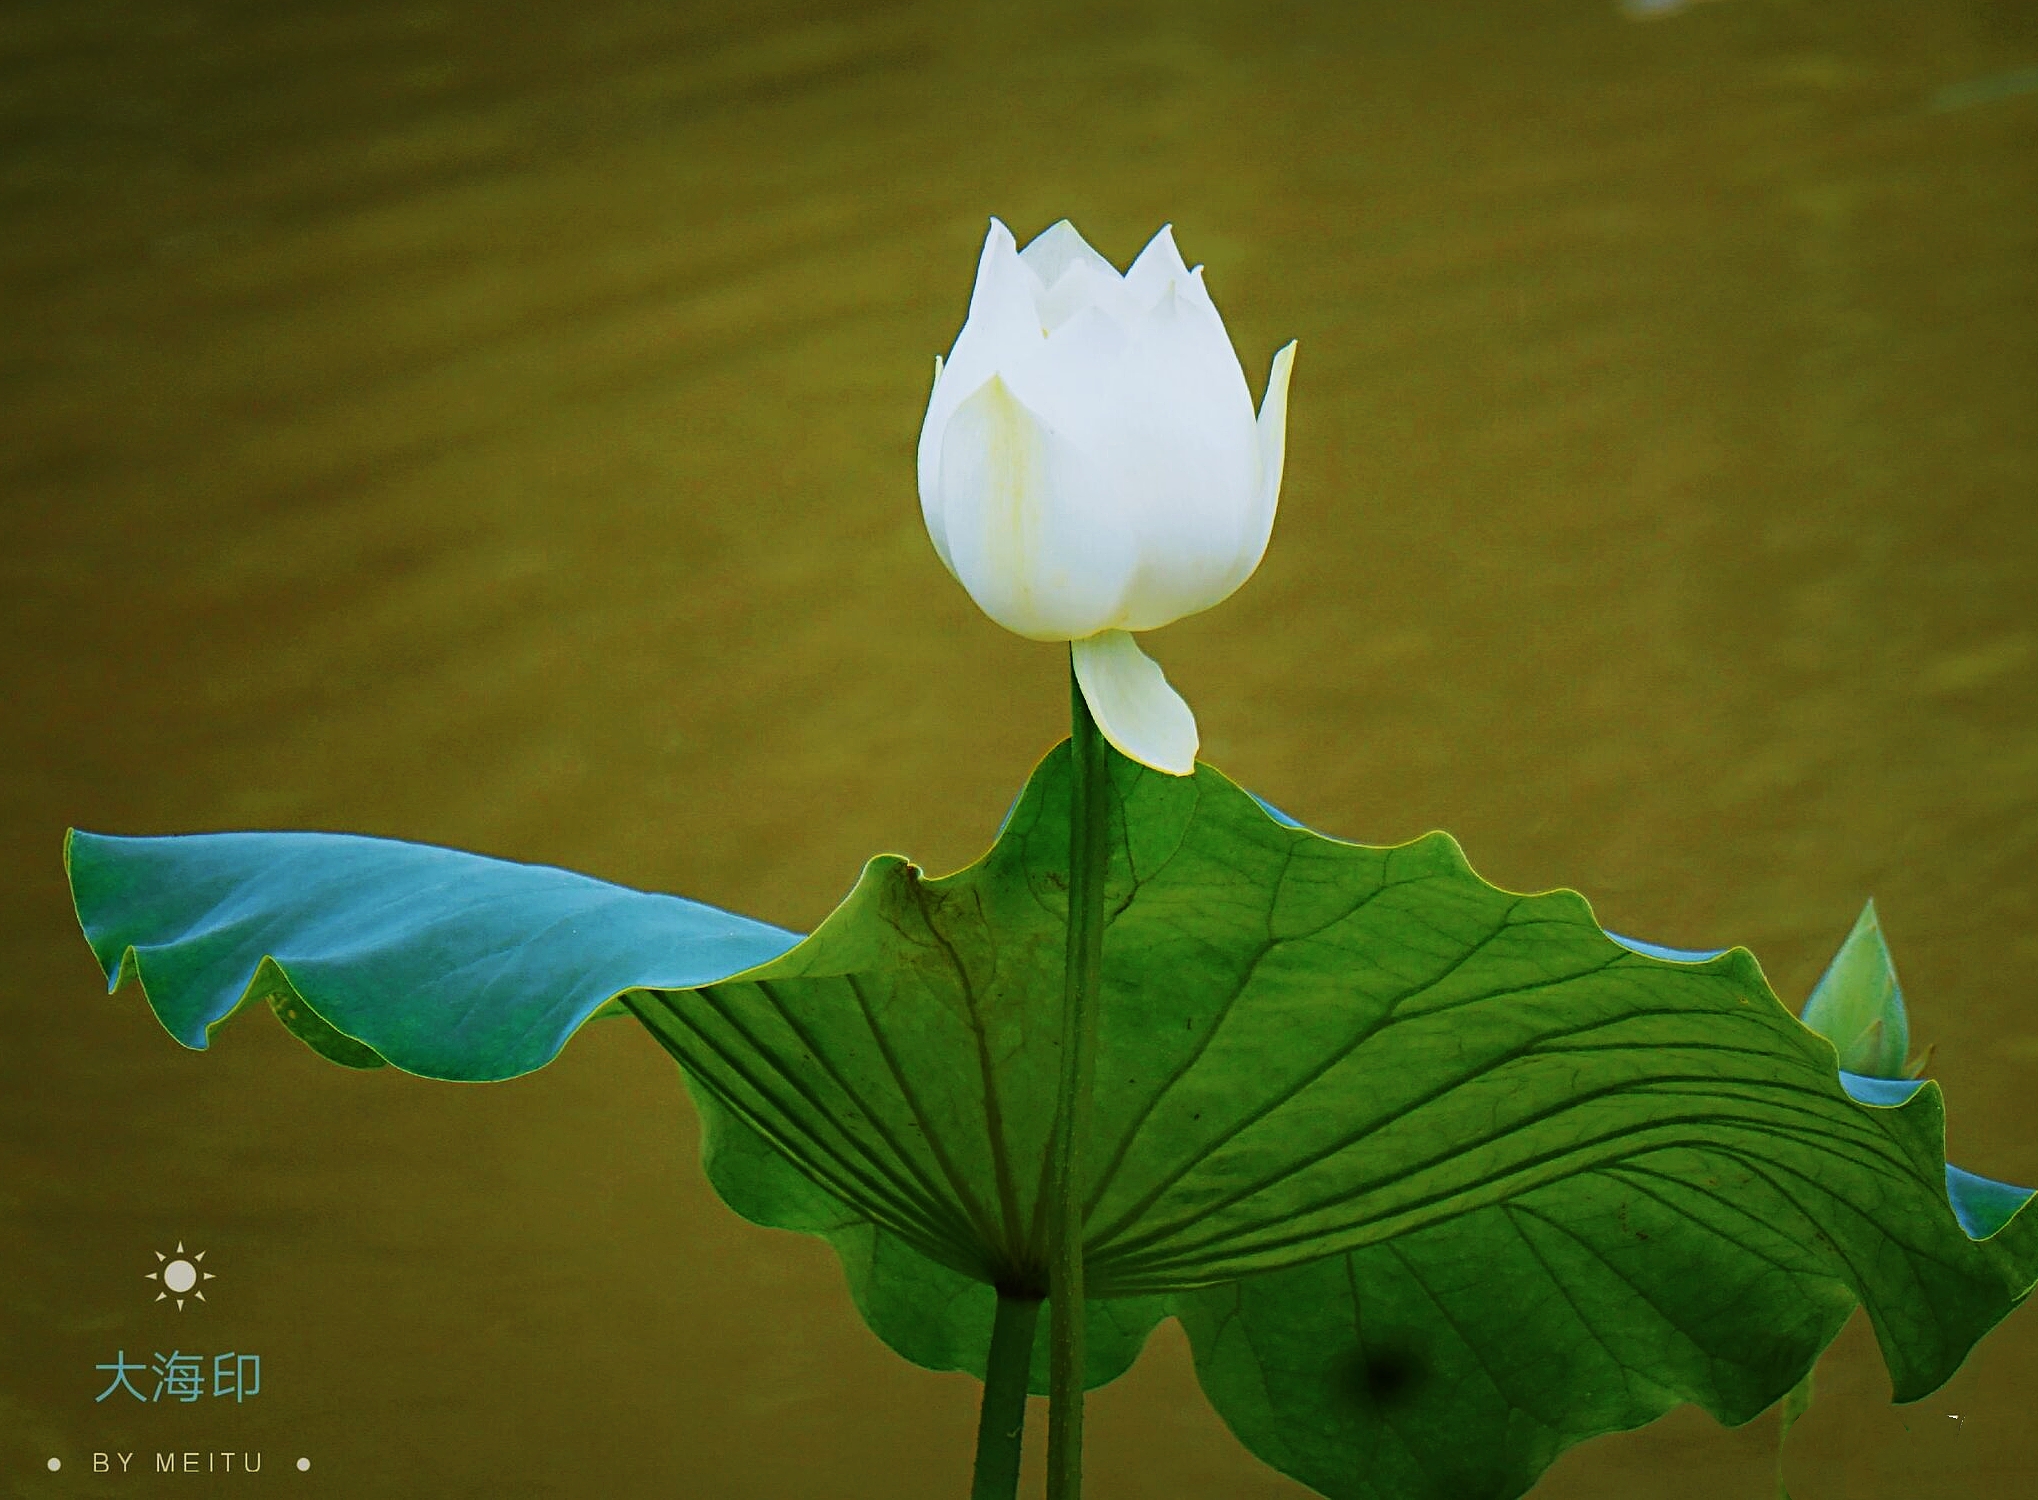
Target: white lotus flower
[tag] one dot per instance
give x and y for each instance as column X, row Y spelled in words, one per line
column 1090, row 465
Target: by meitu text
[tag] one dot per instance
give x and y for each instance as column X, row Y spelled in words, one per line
column 223, row 1461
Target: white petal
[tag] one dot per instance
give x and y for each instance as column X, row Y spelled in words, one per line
column 1272, row 436
column 1002, row 327
column 1058, row 248
column 1081, row 288
column 1033, row 554
column 1075, row 377
column 1273, row 428
column 1158, row 267
column 1181, row 462
column 930, row 457
column 1129, row 697
column 1001, row 302
column 1185, row 314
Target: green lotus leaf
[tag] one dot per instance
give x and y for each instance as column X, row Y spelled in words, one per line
column 1461, row 1360
column 1334, row 1078
column 929, row 1313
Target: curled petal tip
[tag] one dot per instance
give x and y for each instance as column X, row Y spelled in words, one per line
column 1273, row 429
column 1284, row 362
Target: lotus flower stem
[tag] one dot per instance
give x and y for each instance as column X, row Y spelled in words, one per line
column 1089, row 788
column 1001, row 1423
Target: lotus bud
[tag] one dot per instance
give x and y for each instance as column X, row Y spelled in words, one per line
column 1091, row 466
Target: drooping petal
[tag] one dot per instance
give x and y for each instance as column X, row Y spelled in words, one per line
column 1033, row 555
column 1138, row 712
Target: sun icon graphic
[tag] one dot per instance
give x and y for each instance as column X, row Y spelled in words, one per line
column 180, row 1277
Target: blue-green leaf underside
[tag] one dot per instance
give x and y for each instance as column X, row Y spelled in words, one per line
column 447, row 964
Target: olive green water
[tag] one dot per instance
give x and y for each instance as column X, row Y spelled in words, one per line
column 493, row 425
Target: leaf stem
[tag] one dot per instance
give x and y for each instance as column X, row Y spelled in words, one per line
column 1796, row 1402
column 1001, row 1422
column 1089, row 788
